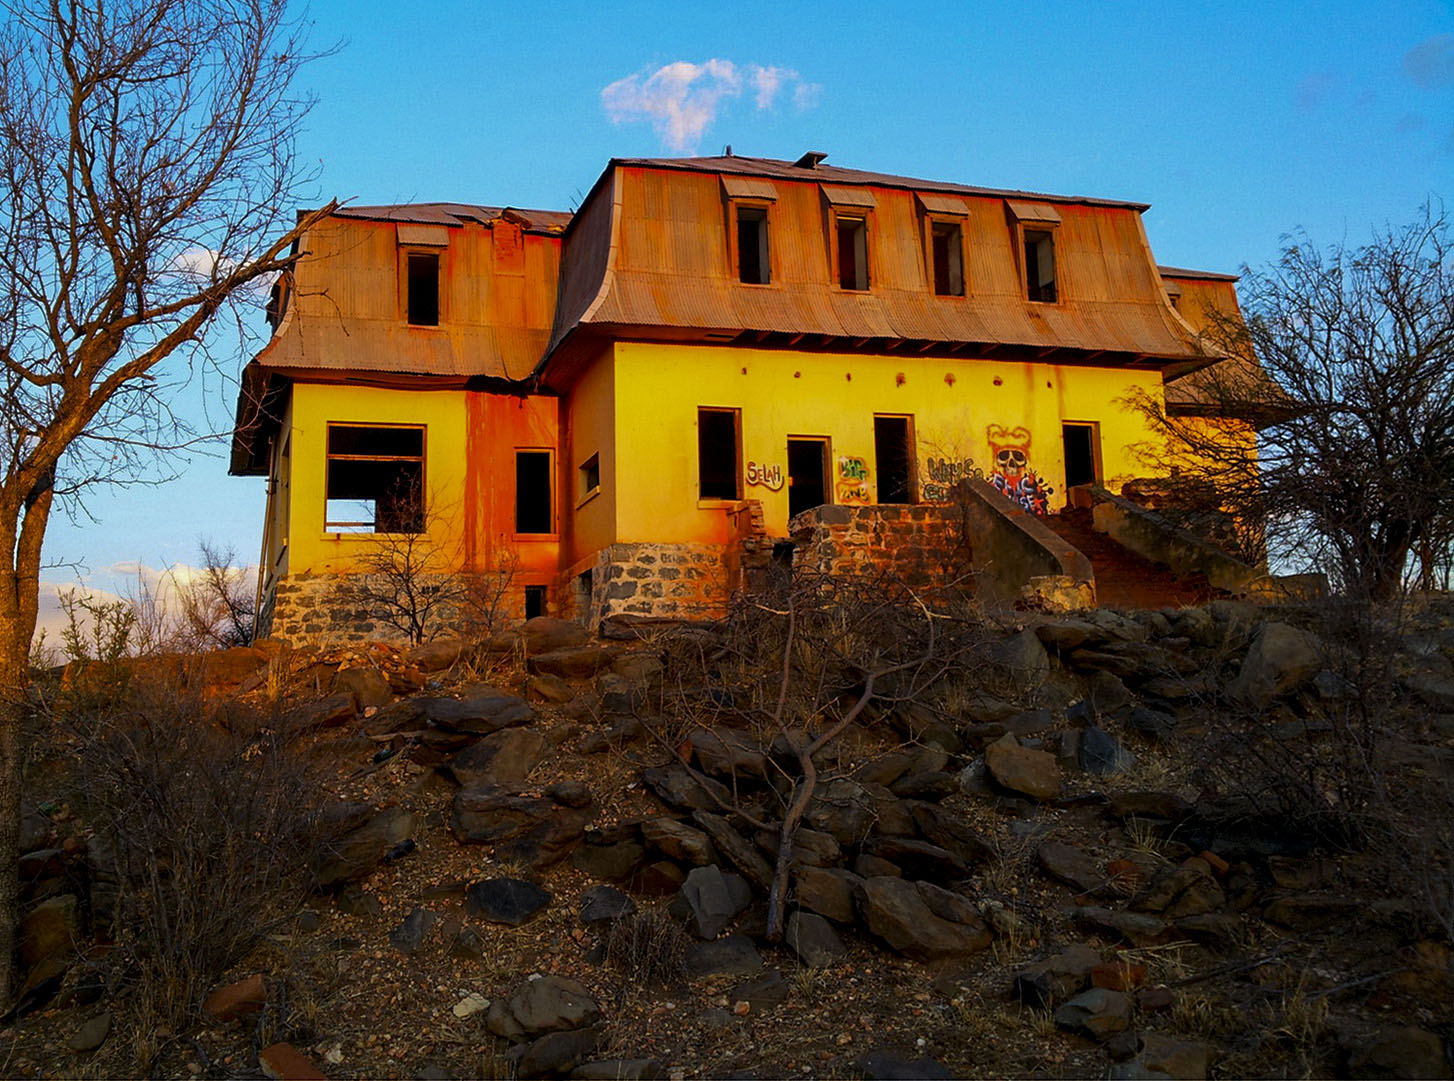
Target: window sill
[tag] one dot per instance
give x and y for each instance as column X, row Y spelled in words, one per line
column 589, row 497
column 328, row 536
column 535, row 538
column 716, row 504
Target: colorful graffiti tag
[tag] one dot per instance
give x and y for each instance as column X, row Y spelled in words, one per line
column 943, row 474
column 762, row 475
column 1011, row 473
column 853, row 481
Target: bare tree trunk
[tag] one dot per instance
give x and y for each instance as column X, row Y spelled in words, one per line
column 12, row 759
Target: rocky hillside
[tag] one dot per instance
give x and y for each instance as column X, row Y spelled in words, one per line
column 1206, row 842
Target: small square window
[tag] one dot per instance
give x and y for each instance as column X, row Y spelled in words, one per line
column 718, row 456
column 852, row 237
column 754, row 266
column 1040, row 266
column 946, row 250
column 590, row 475
column 423, row 289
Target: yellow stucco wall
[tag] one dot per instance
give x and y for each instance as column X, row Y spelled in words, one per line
column 588, row 428
column 962, row 410
column 310, row 548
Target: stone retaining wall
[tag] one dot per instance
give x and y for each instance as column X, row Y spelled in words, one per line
column 921, row 545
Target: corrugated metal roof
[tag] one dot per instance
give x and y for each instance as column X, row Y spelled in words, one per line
column 1197, row 275
column 832, row 174
column 649, row 253
column 455, row 214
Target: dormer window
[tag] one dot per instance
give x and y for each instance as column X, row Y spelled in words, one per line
column 850, row 212
column 421, row 255
column 423, row 289
column 943, row 216
column 749, row 201
column 852, row 238
column 1040, row 266
column 1035, row 225
column 754, row 263
column 946, row 254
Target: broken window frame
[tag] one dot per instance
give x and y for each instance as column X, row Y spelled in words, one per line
column 736, row 466
column 1042, row 240
column 549, row 456
column 863, row 249
column 402, row 489
column 759, row 210
column 936, row 225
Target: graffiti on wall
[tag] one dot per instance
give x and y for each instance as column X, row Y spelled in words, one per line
column 853, row 481
column 1011, row 472
column 762, row 475
column 942, row 474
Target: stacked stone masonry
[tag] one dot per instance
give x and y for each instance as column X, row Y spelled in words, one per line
column 334, row 610
column 681, row 581
column 924, row 546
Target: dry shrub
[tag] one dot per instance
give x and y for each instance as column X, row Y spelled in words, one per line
column 209, row 833
column 648, row 948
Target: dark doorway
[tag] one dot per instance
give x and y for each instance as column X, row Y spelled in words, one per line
column 1080, row 454
column 893, row 451
column 807, row 474
column 535, row 601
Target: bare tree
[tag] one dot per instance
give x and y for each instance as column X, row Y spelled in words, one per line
column 793, row 672
column 146, row 185
column 1353, row 469
column 216, row 602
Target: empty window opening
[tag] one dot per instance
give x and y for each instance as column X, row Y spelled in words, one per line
column 947, row 250
column 375, row 480
column 1080, row 454
column 590, row 475
column 534, row 509
column 894, row 455
column 807, row 474
column 1040, row 266
column 535, row 601
column 852, row 253
column 718, row 459
column 753, row 264
column 423, row 289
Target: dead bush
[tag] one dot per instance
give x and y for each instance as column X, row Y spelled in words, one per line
column 648, row 948
column 202, row 840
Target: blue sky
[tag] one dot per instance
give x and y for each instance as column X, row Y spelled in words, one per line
column 1237, row 122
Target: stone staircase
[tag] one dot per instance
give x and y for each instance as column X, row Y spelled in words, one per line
column 1123, row 578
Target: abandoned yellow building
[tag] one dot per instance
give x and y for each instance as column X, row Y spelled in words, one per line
column 615, row 411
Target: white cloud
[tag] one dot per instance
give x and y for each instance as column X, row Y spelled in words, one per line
column 806, row 96
column 683, row 99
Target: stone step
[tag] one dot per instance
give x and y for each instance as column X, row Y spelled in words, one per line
column 1123, row 578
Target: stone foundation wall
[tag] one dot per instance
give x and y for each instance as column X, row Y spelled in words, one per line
column 923, row 546
column 657, row 581
column 343, row 609
column 679, row 581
